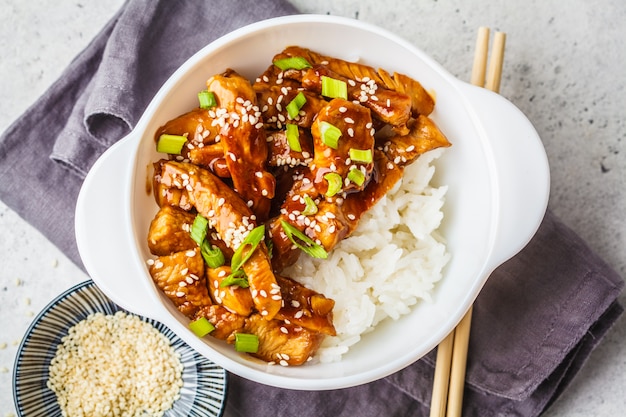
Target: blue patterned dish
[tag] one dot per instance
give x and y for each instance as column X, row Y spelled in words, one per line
column 204, row 383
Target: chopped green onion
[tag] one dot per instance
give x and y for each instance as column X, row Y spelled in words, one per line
column 250, row 243
column 361, row 155
column 334, row 183
column 293, row 137
column 238, row 278
column 356, row 176
column 201, row 327
column 245, row 342
column 212, row 255
column 334, row 88
column 199, row 229
column 172, row 144
column 270, row 247
column 294, row 106
column 330, row 134
column 207, row 99
column 310, row 206
column 294, row 62
column 304, row 242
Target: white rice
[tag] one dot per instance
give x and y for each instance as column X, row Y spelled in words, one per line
column 391, row 261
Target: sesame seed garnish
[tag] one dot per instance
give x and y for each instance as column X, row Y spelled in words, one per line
column 283, row 363
column 180, row 294
column 190, row 253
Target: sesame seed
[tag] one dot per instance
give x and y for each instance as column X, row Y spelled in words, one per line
column 180, row 294
column 283, row 363
column 284, row 330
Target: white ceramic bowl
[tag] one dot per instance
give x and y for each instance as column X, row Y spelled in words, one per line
column 496, row 170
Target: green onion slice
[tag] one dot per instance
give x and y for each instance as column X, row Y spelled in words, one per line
column 330, row 134
column 334, row 183
column 304, row 242
column 245, row 342
column 294, row 106
column 293, row 137
column 361, row 155
column 207, row 99
column 172, row 144
column 356, row 176
column 310, row 206
column 212, row 255
column 199, row 229
column 201, row 327
column 334, row 88
column 238, row 278
column 294, row 62
column 248, row 246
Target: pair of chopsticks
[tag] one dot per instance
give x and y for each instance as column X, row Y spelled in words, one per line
column 449, row 380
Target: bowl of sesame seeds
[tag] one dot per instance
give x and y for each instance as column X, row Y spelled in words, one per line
column 493, row 203
column 84, row 355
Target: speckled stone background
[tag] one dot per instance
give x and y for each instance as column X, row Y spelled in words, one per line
column 564, row 68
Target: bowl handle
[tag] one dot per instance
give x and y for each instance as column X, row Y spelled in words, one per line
column 521, row 166
column 100, row 224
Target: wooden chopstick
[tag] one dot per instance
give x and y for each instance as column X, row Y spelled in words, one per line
column 449, row 378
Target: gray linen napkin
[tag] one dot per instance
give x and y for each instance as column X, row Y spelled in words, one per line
column 535, row 323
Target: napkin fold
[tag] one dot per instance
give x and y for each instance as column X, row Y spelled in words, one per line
column 534, row 324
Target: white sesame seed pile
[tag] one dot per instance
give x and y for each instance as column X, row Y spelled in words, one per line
column 115, row 365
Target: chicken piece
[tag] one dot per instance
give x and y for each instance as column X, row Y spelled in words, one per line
column 243, row 138
column 355, row 123
column 169, row 231
column 197, row 125
column 421, row 101
column 232, row 297
column 181, row 278
column 232, row 220
column 274, row 101
column 226, row 322
column 389, row 106
column 423, row 137
column 284, row 252
column 279, row 342
column 282, row 155
column 387, row 174
column 305, row 307
column 210, row 157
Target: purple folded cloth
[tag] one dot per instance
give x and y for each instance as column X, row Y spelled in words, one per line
column 534, row 324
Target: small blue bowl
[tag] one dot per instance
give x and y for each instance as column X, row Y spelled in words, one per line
column 204, row 389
